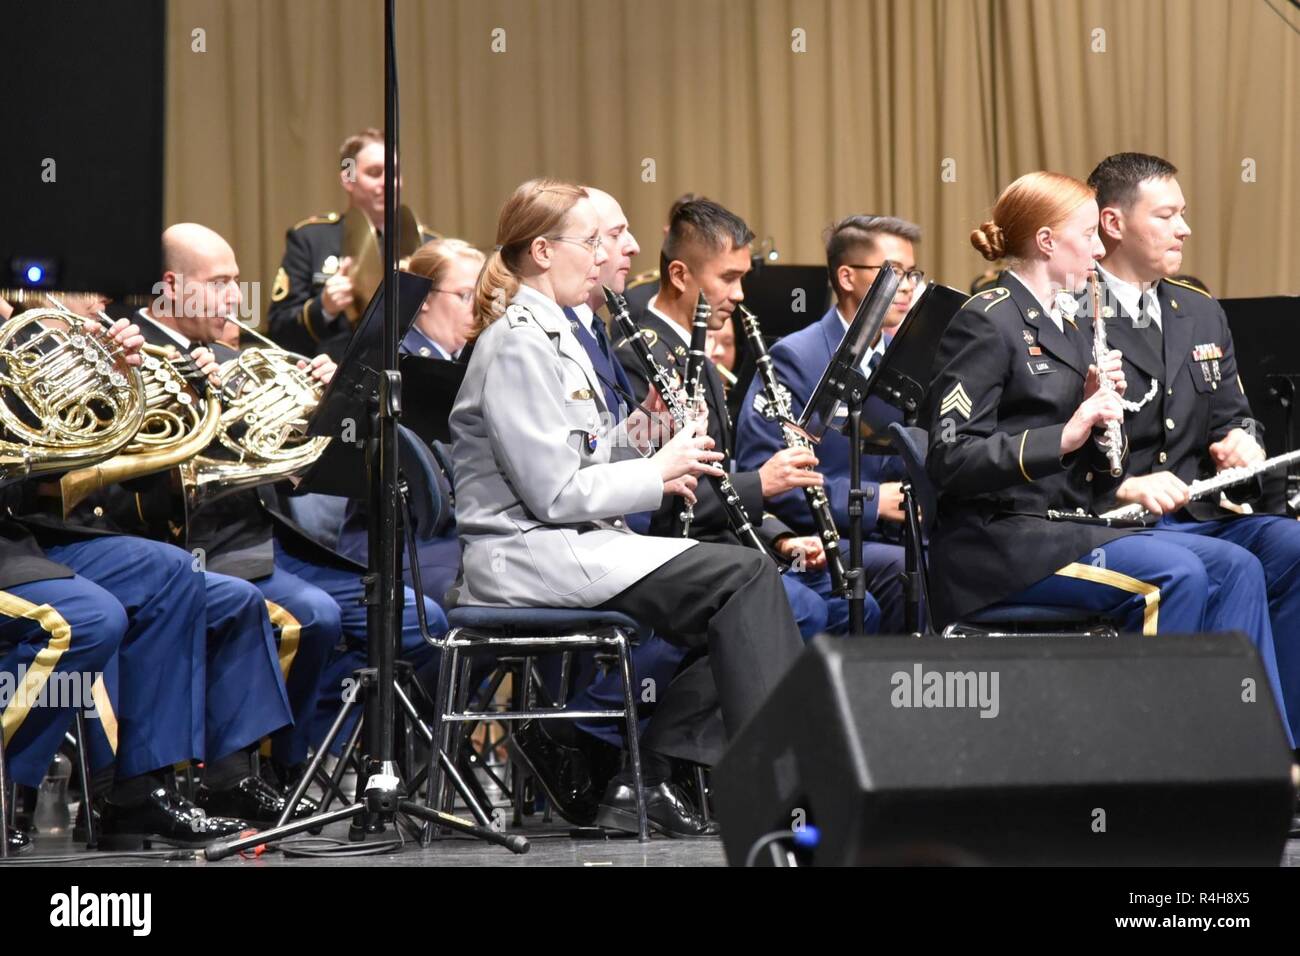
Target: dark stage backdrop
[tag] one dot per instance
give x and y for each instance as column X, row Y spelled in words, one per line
column 82, row 162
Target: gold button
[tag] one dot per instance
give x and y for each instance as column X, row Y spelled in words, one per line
column 1164, row 457
column 1169, row 423
column 99, row 512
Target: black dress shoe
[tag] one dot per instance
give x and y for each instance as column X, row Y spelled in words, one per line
column 561, row 769
column 667, row 810
column 252, row 799
column 163, row 817
column 19, row 841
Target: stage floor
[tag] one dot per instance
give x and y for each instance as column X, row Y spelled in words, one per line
column 550, row 846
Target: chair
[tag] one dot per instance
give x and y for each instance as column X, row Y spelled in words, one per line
column 999, row 620
column 528, row 632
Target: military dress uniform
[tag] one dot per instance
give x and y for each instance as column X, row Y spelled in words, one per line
column 54, row 627
column 542, row 484
column 1008, row 381
column 313, row 251
column 816, row 610
column 1182, row 373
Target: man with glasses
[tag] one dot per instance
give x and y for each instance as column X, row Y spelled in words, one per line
column 855, row 249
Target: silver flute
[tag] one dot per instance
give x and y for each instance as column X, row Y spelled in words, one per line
column 1114, row 427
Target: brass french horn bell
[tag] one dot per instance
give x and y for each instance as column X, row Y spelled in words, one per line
column 361, row 245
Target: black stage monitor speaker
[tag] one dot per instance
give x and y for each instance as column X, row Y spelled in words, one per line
column 1074, row 751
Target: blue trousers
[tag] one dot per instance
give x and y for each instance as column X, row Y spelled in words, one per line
column 1165, row 582
column 345, row 587
column 56, row 638
column 837, row 608
column 310, row 627
column 197, row 674
column 1275, row 543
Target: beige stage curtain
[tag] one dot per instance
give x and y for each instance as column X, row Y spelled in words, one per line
column 791, row 112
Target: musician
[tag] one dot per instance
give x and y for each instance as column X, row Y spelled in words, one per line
column 131, row 612
column 543, row 482
column 1013, row 419
column 855, row 249
column 442, row 326
column 314, row 286
column 707, row 250
column 1189, row 417
column 310, row 592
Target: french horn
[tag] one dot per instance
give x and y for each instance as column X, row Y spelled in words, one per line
column 68, row 397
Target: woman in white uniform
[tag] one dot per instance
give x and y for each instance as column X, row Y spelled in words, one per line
column 543, row 482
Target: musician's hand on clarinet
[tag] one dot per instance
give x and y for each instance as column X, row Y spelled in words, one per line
column 1095, row 411
column 208, row 364
column 683, row 487
column 336, row 296
column 1237, row 449
column 789, row 468
column 1113, row 367
column 807, row 553
column 1160, row 493
column 687, row 453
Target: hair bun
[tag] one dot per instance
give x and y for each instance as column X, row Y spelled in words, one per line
column 989, row 241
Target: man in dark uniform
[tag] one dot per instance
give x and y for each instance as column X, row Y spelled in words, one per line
column 707, row 250
column 1188, row 416
column 258, row 535
column 314, row 286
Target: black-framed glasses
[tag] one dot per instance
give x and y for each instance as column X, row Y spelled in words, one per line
column 915, row 275
column 591, row 242
column 466, row 296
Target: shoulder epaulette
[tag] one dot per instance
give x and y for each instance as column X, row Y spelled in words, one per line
column 990, row 297
column 517, row 315
column 314, row 220
column 645, row 278
column 1188, row 285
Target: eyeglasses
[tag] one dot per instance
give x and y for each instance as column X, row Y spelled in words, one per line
column 466, row 296
column 913, row 275
column 591, row 242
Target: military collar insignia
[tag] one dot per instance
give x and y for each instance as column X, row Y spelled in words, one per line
column 1029, row 336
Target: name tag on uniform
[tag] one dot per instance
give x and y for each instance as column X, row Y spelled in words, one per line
column 1041, row 367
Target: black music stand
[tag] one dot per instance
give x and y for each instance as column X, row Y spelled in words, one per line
column 893, row 392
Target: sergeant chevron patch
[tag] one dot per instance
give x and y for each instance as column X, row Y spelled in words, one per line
column 957, row 400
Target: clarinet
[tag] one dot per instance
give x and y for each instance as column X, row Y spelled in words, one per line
column 695, row 359
column 1114, row 427
column 773, row 403
column 681, row 409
